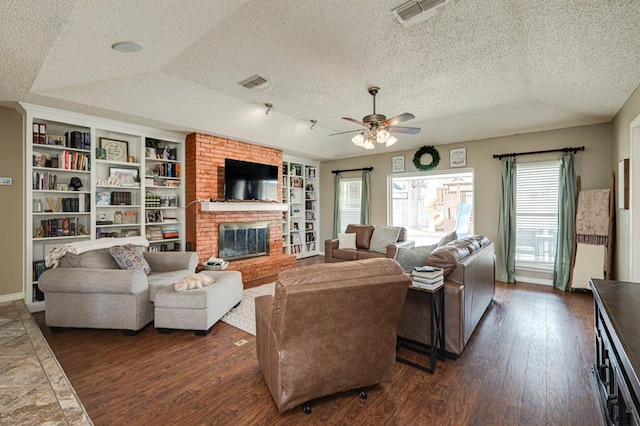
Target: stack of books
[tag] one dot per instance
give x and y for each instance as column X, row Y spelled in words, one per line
column 427, row 277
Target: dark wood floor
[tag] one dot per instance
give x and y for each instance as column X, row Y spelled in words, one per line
column 528, row 363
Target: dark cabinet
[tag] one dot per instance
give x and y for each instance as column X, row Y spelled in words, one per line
column 617, row 340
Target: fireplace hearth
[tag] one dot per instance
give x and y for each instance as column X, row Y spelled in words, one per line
column 242, row 240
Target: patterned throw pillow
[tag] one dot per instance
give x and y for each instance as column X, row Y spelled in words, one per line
column 409, row 258
column 129, row 258
column 382, row 237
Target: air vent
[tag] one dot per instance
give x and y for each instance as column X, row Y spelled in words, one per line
column 253, row 81
column 414, row 11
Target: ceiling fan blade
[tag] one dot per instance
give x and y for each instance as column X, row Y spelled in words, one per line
column 407, row 130
column 353, row 120
column 398, row 119
column 342, row 133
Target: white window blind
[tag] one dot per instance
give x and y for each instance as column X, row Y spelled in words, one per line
column 536, row 214
column 350, row 193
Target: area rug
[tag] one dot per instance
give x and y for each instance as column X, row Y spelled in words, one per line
column 243, row 316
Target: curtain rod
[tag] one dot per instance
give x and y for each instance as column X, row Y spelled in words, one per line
column 353, row 170
column 515, row 154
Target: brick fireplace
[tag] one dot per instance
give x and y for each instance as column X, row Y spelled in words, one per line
column 205, row 155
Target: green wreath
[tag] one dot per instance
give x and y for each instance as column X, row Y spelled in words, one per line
column 435, row 158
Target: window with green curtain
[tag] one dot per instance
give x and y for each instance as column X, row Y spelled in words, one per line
column 536, row 214
column 350, row 201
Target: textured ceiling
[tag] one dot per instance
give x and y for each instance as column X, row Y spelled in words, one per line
column 477, row 69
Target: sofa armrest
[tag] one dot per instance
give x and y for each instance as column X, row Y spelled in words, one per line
column 329, row 246
column 82, row 280
column 172, row 261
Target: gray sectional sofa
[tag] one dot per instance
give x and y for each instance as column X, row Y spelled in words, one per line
column 89, row 290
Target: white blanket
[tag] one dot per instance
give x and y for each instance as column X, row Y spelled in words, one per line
column 589, row 264
column 80, row 247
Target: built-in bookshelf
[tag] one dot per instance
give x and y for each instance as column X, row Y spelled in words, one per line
column 300, row 194
column 90, row 178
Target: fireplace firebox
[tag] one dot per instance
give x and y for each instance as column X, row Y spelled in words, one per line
column 241, row 240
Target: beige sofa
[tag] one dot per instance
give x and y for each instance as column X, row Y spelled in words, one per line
column 364, row 233
column 329, row 328
column 468, row 265
column 89, row 290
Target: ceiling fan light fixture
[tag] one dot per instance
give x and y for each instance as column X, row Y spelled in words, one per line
column 358, row 139
column 392, row 139
column 382, row 136
column 269, row 106
column 368, row 144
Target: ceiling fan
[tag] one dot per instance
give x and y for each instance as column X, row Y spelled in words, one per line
column 377, row 127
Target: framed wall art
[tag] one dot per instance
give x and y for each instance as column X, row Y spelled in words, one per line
column 115, row 150
column 124, row 177
column 458, row 157
column 397, row 164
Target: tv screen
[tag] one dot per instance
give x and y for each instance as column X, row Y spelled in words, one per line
column 244, row 180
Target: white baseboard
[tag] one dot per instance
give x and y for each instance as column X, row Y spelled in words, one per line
column 531, row 280
column 11, row 297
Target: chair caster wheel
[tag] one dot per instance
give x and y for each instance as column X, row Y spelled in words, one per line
column 306, row 409
column 363, row 395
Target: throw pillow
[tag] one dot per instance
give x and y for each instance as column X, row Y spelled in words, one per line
column 192, row 281
column 347, row 241
column 409, row 258
column 382, row 237
column 447, row 239
column 128, row 257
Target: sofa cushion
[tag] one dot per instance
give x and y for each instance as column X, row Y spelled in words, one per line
column 382, row 237
column 93, row 259
column 367, row 254
column 128, row 258
column 345, row 254
column 447, row 239
column 363, row 234
column 411, row 257
column 347, row 241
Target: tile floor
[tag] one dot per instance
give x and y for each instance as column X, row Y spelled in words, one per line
column 33, row 387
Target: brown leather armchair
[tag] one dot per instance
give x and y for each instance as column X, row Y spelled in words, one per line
column 329, row 328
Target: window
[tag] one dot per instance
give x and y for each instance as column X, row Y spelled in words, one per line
column 536, row 214
column 431, row 205
column 350, row 198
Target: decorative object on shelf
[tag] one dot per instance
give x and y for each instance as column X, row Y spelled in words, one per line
column 397, row 164
column 130, row 216
column 124, row 177
column 101, row 154
column 458, row 157
column 62, row 187
column 103, row 198
column 55, row 204
column 377, row 127
column 118, row 219
column 41, row 159
column 75, row 183
column 151, row 200
column 116, row 150
column 154, row 216
column 435, row 158
column 154, row 233
column 130, row 233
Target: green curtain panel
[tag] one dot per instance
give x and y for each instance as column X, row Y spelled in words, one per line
column 365, row 197
column 566, row 222
column 506, row 254
column 337, row 178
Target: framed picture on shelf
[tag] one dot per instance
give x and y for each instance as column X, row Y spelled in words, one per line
column 115, row 150
column 103, row 198
column 154, row 216
column 125, row 177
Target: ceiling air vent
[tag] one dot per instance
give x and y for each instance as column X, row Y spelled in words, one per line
column 414, row 11
column 253, row 81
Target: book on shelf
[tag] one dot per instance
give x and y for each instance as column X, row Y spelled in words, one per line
column 427, row 272
column 427, row 286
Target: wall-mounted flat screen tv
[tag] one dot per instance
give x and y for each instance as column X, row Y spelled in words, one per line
column 244, row 180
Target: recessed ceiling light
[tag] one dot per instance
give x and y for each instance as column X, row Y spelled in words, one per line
column 127, row 46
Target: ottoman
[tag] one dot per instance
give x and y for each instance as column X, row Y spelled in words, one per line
column 198, row 309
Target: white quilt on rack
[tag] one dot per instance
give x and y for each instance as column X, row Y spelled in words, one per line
column 590, row 261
